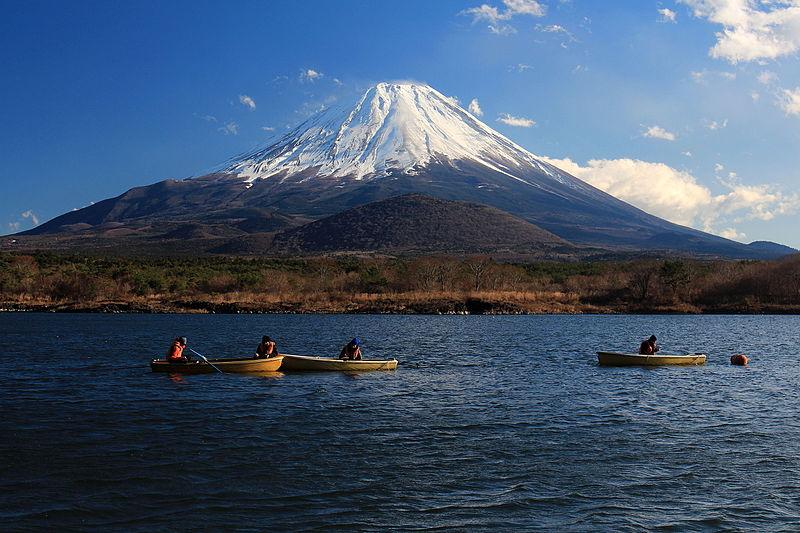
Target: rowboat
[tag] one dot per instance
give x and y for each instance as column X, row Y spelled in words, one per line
column 238, row 365
column 632, row 359
column 310, row 363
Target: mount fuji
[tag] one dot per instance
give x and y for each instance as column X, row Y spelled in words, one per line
column 398, row 139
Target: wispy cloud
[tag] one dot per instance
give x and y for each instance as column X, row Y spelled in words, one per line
column 789, row 101
column 475, row 108
column 13, row 226
column 519, row 67
column 714, row 125
column 667, row 15
column 518, row 122
column 209, row 118
column 557, row 29
column 278, row 79
column 247, row 101
column 767, row 77
column 496, row 17
column 29, row 214
column 267, row 128
column 702, row 76
column 231, row 128
column 657, row 132
column 751, row 31
column 309, row 75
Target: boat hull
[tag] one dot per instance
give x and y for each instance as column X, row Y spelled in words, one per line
column 306, row 363
column 629, row 359
column 235, row 366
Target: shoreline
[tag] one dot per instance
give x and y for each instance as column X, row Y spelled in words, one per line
column 463, row 307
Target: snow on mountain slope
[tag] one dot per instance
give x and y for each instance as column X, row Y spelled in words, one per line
column 394, row 127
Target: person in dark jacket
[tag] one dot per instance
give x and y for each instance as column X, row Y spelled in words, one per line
column 649, row 347
column 352, row 350
column 267, row 348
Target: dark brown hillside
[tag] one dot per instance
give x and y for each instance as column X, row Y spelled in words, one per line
column 417, row 223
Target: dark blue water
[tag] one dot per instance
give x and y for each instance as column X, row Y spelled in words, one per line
column 489, row 422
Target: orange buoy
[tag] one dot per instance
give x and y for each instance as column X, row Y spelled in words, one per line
column 739, row 359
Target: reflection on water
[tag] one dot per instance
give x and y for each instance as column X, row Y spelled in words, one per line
column 488, row 422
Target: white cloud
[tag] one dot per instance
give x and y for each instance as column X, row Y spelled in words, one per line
column 231, row 128
column 526, row 7
column 475, row 108
column 502, row 29
column 755, row 96
column 687, row 153
column 767, row 77
column 519, row 122
column 310, row 75
column 267, row 128
column 247, row 101
column 32, row 216
column 495, row 16
column 751, row 30
column 13, row 226
column 554, row 28
column 713, row 125
column 337, row 82
column 718, row 168
column 657, row 132
column 667, row 15
column 732, row 234
column 209, row 118
column 676, row 195
column 789, row 101
column 519, row 67
column 702, row 76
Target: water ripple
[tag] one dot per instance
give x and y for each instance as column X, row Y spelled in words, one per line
column 489, row 423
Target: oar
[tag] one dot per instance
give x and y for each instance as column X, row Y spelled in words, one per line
column 206, row 360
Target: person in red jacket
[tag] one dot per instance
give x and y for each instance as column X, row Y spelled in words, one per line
column 175, row 352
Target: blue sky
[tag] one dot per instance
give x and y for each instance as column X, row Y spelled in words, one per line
column 689, row 109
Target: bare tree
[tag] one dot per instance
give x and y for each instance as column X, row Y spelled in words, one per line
column 478, row 268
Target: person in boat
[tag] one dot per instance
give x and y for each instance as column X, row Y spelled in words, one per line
column 267, row 348
column 351, row 350
column 649, row 346
column 175, row 352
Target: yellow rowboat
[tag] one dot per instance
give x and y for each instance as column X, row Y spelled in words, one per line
column 238, row 366
column 632, row 359
column 310, row 363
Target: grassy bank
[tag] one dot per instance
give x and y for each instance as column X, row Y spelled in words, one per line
column 348, row 284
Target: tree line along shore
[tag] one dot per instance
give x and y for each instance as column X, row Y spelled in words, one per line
column 368, row 284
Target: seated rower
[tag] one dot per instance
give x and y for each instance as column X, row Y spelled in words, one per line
column 267, row 348
column 649, row 347
column 175, row 352
column 351, row 351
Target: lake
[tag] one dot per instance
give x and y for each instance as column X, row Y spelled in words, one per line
column 489, row 422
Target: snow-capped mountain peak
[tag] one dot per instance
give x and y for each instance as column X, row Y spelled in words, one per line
column 400, row 126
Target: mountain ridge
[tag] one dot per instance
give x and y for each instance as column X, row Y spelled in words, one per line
column 399, row 139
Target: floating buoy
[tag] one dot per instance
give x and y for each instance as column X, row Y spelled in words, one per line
column 739, row 359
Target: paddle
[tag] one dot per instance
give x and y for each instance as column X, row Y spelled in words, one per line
column 206, row 360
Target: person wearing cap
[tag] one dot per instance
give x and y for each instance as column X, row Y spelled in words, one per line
column 648, row 347
column 267, row 348
column 351, row 350
column 175, row 352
